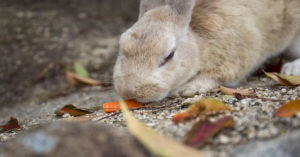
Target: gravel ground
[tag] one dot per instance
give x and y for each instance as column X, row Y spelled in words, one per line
column 253, row 117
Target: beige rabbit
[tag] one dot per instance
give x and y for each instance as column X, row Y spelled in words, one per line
column 191, row 46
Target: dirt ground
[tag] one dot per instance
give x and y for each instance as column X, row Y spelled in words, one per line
column 37, row 35
column 39, row 40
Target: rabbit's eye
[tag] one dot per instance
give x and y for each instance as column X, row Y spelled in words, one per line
column 168, row 58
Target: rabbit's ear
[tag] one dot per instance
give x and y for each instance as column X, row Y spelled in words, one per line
column 146, row 5
column 182, row 8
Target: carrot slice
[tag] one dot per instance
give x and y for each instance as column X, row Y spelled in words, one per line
column 115, row 106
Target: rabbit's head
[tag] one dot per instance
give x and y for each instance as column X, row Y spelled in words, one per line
column 157, row 54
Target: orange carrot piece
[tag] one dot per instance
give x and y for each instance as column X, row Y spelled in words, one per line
column 115, row 106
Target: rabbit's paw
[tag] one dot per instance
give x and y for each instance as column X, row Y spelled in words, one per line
column 195, row 86
column 291, row 68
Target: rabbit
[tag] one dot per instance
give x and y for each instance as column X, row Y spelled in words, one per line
column 187, row 47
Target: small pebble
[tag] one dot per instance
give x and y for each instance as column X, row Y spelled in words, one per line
column 245, row 101
column 236, row 139
column 290, row 92
column 283, row 90
column 263, row 134
column 67, row 115
column 224, row 139
column 251, row 135
column 3, row 137
column 160, row 117
column 273, row 130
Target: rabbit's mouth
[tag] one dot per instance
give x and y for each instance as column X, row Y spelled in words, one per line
column 140, row 90
column 143, row 93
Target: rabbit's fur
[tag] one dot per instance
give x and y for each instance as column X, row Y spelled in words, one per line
column 215, row 41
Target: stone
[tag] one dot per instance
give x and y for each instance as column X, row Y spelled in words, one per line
column 74, row 139
column 283, row 90
column 286, row 145
column 245, row 101
column 224, row 139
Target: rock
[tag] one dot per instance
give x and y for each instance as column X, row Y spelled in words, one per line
column 286, row 145
column 283, row 90
column 224, row 139
column 245, row 101
column 74, row 139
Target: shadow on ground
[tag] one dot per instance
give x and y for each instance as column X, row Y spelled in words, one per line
column 36, row 35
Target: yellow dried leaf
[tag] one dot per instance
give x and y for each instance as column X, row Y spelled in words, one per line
column 278, row 78
column 204, row 105
column 76, row 79
column 295, row 80
column 289, row 109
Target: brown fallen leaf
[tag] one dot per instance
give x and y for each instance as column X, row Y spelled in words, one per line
column 75, row 79
column 236, row 92
column 289, row 109
column 295, row 80
column 203, row 130
column 72, row 110
column 204, row 105
column 157, row 144
column 12, row 124
column 285, row 80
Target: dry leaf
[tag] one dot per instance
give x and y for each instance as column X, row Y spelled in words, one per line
column 230, row 91
column 12, row 124
column 295, row 80
column 157, row 144
column 284, row 79
column 71, row 79
column 289, row 109
column 203, row 130
column 76, row 79
column 204, row 105
column 72, row 110
column 115, row 106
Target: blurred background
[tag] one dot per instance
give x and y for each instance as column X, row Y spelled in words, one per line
column 40, row 39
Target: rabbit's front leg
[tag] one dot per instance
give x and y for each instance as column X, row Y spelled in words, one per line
column 199, row 84
column 293, row 68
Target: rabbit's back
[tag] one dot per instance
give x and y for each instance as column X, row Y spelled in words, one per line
column 273, row 18
column 244, row 30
